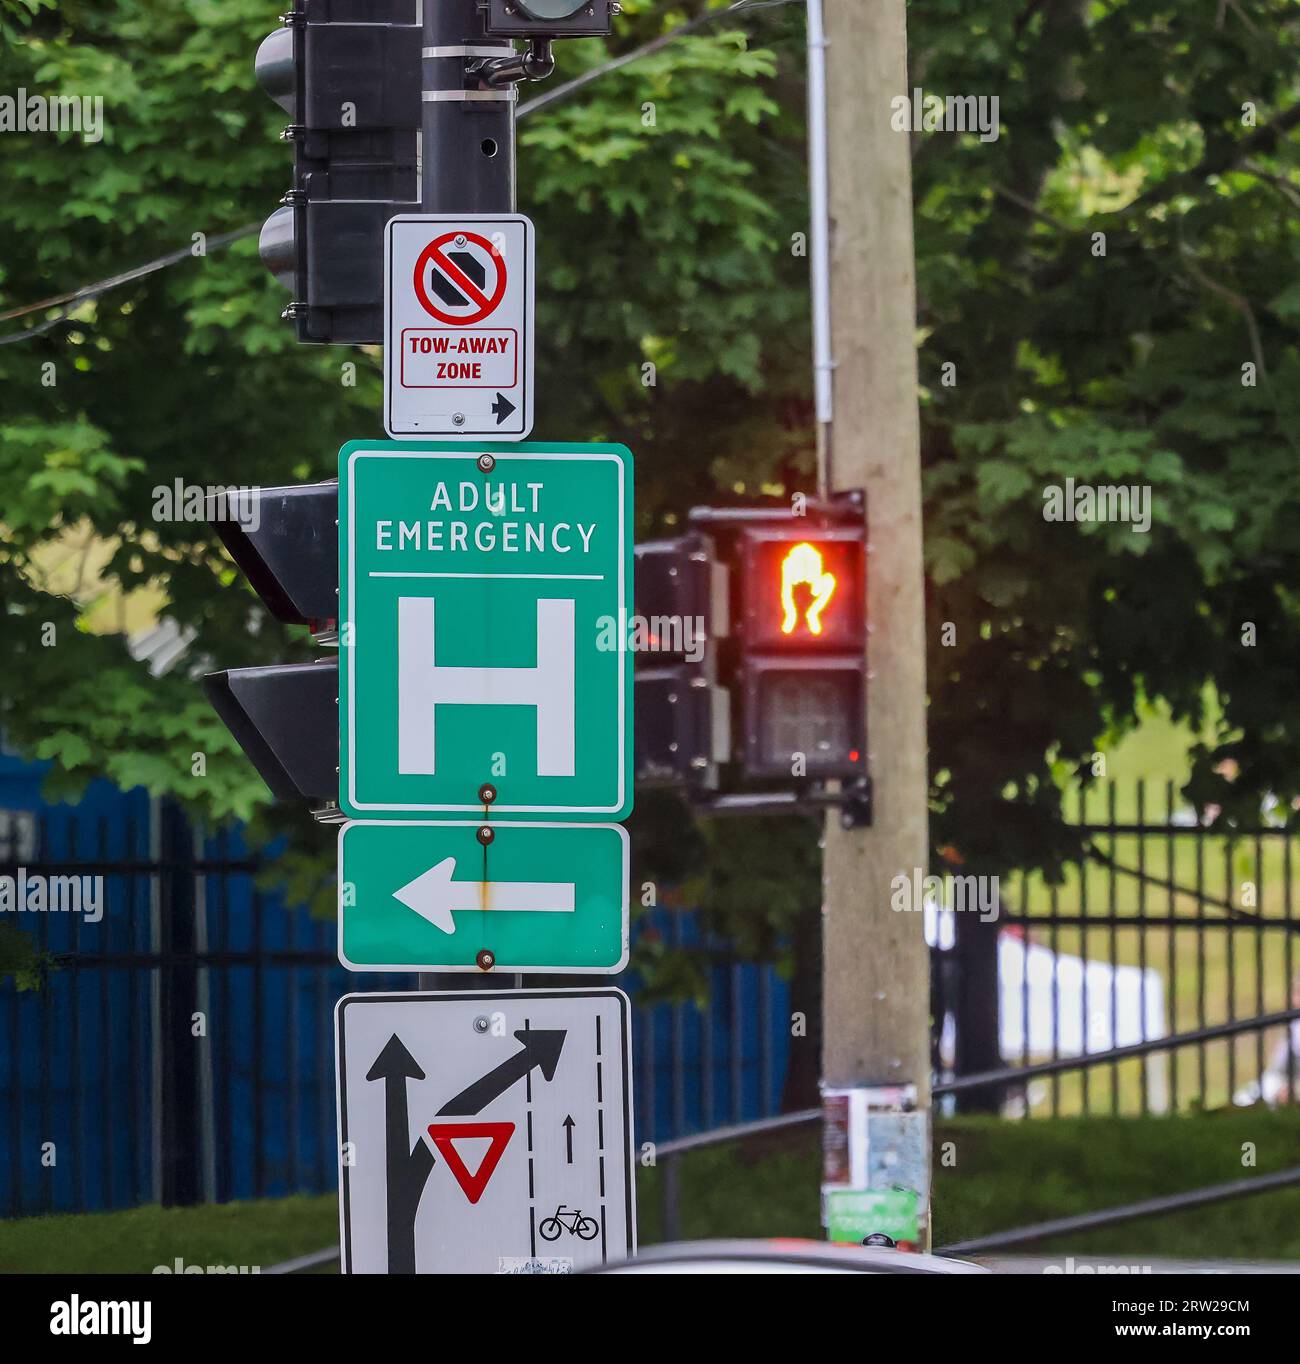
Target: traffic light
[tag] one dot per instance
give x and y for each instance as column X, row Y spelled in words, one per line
column 803, row 642
column 682, row 717
column 285, row 716
column 348, row 74
column 549, row 18
column 286, row 542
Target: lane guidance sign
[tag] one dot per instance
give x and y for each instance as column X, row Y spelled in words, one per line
column 484, row 1132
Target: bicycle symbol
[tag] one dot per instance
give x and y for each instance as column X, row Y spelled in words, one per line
column 570, row 1220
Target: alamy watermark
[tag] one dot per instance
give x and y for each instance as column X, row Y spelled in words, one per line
column 178, row 1266
column 1073, row 1266
column 28, row 893
column 24, row 113
column 922, row 113
column 1109, row 502
column 910, row 892
column 78, row 1316
column 181, row 501
column 685, row 635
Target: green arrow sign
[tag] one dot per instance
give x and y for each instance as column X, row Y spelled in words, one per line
column 483, row 592
column 432, row 897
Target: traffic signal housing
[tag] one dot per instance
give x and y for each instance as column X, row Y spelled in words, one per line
column 286, row 542
column 348, row 74
column 548, row 18
column 285, row 716
column 682, row 717
column 281, row 717
column 803, row 650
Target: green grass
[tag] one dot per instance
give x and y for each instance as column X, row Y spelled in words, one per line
column 1014, row 1174
column 1006, row 1174
column 1010, row 1174
column 259, row 1233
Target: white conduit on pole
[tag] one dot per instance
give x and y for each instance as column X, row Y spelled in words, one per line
column 818, row 195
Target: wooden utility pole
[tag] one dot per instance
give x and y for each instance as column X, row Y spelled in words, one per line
column 876, row 965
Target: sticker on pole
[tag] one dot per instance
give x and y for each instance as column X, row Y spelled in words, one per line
column 458, row 326
column 484, row 1132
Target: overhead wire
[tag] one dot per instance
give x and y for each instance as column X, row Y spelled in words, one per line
column 68, row 302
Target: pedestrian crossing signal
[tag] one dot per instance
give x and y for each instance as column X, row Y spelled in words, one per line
column 802, row 613
column 803, row 590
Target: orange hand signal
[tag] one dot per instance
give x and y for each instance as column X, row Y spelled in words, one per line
column 803, row 565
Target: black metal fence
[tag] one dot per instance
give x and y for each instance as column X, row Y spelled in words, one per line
column 1165, row 927
column 180, row 1046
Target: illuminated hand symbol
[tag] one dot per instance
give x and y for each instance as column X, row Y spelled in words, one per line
column 803, row 566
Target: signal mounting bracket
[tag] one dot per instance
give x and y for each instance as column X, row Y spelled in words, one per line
column 853, row 802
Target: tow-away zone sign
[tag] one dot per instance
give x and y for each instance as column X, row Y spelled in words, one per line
column 458, row 310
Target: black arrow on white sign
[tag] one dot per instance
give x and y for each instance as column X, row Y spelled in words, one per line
column 541, row 1048
column 567, row 1124
column 502, row 408
column 407, row 1167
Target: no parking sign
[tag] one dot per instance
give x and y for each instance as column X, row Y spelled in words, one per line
column 458, row 314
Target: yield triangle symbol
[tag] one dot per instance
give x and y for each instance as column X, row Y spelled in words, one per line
column 444, row 1136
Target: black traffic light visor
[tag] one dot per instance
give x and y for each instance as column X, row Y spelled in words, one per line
column 285, row 718
column 286, row 542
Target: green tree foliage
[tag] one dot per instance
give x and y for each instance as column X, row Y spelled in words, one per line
column 662, row 243
column 670, row 198
column 1160, row 134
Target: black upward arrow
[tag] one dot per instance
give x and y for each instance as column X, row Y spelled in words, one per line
column 567, row 1124
column 407, row 1167
column 541, row 1048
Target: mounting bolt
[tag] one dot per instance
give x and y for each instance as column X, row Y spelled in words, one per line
column 458, row 419
column 487, row 793
column 486, row 959
column 482, row 1023
column 485, row 462
column 485, row 835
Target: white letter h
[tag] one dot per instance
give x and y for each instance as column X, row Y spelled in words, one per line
column 423, row 685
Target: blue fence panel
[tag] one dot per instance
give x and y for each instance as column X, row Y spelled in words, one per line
column 271, row 1024
column 78, row 1093
column 695, row 1068
column 75, row 1090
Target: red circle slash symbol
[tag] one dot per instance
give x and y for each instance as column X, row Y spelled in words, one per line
column 458, row 278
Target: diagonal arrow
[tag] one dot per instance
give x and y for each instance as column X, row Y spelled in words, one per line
column 406, row 1167
column 541, row 1048
column 435, row 896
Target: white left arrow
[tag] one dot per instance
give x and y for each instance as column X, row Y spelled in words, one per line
column 434, row 895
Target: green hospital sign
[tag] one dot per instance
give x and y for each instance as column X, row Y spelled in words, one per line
column 483, row 591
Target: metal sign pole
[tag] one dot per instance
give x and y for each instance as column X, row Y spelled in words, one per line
column 467, row 165
column 467, row 144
